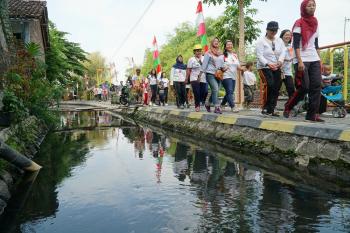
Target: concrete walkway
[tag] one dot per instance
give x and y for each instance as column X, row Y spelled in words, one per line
column 335, row 129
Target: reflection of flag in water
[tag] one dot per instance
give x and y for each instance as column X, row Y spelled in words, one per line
column 156, row 59
column 201, row 27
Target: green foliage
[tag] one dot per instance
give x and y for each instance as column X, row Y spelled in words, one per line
column 64, row 59
column 33, row 49
column 218, row 2
column 227, row 27
column 95, row 66
column 14, row 106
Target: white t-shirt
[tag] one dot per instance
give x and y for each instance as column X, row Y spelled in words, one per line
column 287, row 65
column 265, row 53
column 249, row 78
column 178, row 75
column 309, row 54
column 231, row 62
column 165, row 81
column 195, row 67
column 152, row 80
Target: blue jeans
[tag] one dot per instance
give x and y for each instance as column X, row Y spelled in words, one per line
column 214, row 87
column 229, row 85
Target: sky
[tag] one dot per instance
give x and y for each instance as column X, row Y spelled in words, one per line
column 103, row 25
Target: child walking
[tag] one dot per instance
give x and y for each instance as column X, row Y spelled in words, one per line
column 249, row 82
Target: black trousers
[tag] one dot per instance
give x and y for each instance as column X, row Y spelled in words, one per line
column 273, row 80
column 180, row 88
column 154, row 93
column 166, row 90
column 307, row 82
column 289, row 83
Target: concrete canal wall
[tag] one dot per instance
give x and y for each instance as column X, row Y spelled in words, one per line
column 318, row 148
column 318, row 151
column 25, row 138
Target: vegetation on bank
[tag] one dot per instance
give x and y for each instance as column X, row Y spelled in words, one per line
column 32, row 85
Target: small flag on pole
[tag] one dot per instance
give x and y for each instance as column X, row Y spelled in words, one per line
column 156, row 59
column 201, row 27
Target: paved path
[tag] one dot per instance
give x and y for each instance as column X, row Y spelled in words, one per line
column 333, row 128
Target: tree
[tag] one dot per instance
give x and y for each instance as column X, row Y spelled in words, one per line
column 241, row 5
column 227, row 27
column 96, row 67
column 64, row 59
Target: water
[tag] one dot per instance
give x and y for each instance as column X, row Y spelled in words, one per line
column 98, row 178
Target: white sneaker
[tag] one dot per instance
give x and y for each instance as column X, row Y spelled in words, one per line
column 166, row 104
column 234, row 110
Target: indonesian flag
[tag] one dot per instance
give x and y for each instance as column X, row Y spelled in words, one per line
column 156, row 59
column 201, row 27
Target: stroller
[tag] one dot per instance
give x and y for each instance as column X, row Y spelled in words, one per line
column 332, row 93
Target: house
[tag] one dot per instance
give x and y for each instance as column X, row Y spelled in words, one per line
column 29, row 22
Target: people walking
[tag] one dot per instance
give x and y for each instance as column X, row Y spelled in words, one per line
column 178, row 74
column 193, row 75
column 270, row 52
column 307, row 63
column 153, row 84
column 211, row 64
column 287, row 74
column 231, row 68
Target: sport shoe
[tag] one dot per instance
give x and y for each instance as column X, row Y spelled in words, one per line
column 182, row 107
column 265, row 112
column 217, row 110
column 234, row 110
column 207, row 107
column 275, row 114
column 197, row 109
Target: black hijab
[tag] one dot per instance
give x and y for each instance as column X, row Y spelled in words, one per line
column 179, row 65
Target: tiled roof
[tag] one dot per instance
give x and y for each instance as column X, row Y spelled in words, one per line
column 27, row 8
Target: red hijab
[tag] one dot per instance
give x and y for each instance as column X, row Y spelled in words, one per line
column 307, row 23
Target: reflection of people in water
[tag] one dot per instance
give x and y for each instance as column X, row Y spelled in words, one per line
column 139, row 143
column 200, row 171
column 180, row 164
column 159, row 162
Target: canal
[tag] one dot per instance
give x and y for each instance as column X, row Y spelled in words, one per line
column 103, row 174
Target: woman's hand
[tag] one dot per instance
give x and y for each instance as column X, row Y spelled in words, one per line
column 273, row 66
column 301, row 66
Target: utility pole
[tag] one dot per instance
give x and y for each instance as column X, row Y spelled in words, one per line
column 345, row 21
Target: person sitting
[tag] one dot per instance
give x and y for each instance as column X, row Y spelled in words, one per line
column 328, row 79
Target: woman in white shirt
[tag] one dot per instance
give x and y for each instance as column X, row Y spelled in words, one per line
column 307, row 62
column 165, row 82
column 193, row 71
column 154, row 85
column 270, row 52
column 231, row 67
column 178, row 74
column 286, row 36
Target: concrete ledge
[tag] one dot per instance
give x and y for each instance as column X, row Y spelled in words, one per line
column 315, row 130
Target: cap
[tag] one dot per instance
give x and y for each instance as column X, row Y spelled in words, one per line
column 197, row 47
column 273, row 26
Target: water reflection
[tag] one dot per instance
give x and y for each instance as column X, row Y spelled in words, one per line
column 133, row 179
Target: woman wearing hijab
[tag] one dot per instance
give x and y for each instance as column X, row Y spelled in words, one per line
column 178, row 75
column 307, row 63
column 271, row 52
column 213, row 61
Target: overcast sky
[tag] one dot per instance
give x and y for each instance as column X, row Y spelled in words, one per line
column 103, row 25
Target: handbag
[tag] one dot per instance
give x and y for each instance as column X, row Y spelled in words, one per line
column 219, row 75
